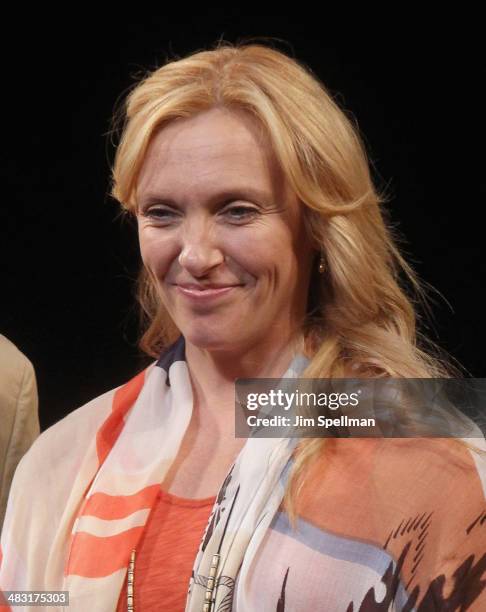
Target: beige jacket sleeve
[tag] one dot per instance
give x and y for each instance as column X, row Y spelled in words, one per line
column 19, row 419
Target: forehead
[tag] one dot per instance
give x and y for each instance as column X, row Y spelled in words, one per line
column 216, row 149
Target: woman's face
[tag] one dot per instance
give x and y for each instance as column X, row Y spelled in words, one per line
column 221, row 234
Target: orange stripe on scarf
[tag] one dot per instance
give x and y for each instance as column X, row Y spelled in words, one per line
column 123, row 400
column 109, row 507
column 93, row 556
column 107, row 554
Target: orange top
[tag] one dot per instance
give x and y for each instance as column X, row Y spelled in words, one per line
column 166, row 553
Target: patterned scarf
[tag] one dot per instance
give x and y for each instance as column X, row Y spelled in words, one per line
column 118, row 477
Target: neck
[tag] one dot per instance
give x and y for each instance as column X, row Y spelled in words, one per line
column 213, row 373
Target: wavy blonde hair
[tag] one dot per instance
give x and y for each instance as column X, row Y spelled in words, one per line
column 360, row 319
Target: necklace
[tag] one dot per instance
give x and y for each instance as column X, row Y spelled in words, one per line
column 130, row 582
column 208, row 599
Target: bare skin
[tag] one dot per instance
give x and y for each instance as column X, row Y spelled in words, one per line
column 210, row 447
column 214, row 210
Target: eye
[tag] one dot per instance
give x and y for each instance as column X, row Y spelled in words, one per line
column 160, row 214
column 240, row 213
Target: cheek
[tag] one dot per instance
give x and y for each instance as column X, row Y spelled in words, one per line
column 273, row 258
column 263, row 251
column 156, row 253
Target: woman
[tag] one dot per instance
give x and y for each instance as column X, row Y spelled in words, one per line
column 265, row 254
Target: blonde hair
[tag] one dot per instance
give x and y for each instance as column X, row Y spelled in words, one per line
column 360, row 319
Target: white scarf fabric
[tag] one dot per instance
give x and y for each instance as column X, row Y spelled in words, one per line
column 118, row 476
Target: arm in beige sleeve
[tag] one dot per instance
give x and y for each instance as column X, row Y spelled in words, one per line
column 19, row 420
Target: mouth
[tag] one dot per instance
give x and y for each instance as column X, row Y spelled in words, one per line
column 204, row 293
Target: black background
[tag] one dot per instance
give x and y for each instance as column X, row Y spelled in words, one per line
column 68, row 260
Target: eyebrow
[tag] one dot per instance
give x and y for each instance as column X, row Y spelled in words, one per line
column 242, row 193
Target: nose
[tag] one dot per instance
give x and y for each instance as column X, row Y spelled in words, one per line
column 200, row 252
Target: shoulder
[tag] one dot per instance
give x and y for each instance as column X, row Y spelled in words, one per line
column 391, row 473
column 57, row 467
column 444, row 462
column 62, row 447
column 11, row 358
column 395, row 455
column 52, row 478
column 429, row 452
column 16, row 373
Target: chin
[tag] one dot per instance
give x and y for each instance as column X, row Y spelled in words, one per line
column 210, row 339
column 204, row 337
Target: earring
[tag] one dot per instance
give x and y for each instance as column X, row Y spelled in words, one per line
column 322, row 264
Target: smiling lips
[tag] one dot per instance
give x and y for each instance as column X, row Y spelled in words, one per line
column 204, row 292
